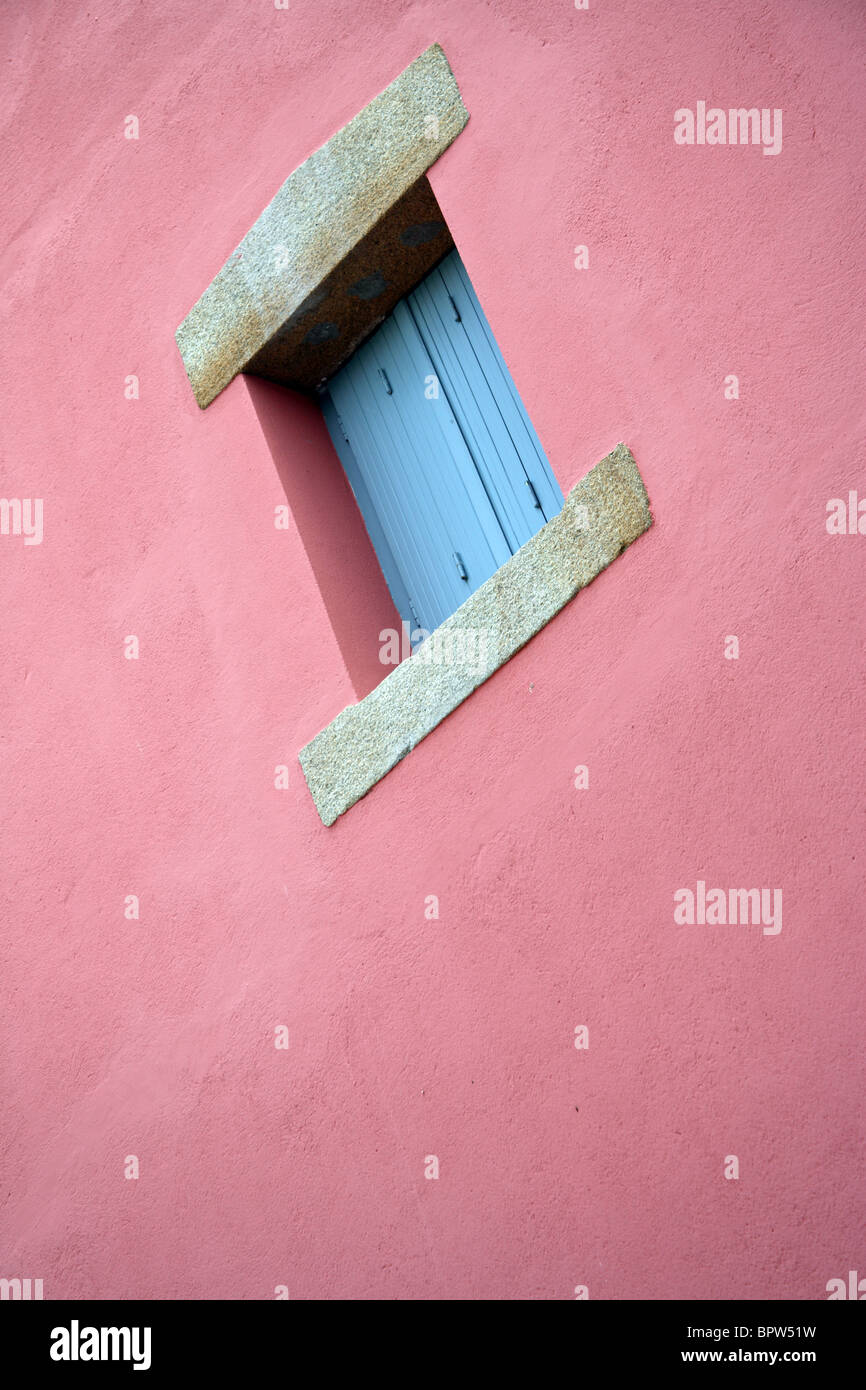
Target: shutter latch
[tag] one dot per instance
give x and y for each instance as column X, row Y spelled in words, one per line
column 457, row 318
column 461, row 568
column 535, row 501
column 384, row 375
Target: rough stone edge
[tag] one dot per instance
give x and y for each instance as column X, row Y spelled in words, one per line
column 230, row 322
column 603, row 513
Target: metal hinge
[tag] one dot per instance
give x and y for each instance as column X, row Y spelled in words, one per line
column 340, row 423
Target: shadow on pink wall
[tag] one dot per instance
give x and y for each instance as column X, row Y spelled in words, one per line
column 330, row 526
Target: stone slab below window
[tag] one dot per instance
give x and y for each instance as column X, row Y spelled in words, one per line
column 603, row 513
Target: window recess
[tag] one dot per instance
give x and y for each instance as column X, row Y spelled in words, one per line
column 447, row 470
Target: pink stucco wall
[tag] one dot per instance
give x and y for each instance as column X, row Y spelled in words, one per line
column 454, row 1037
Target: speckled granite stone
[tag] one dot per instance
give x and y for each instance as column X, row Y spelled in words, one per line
column 602, row 514
column 321, row 213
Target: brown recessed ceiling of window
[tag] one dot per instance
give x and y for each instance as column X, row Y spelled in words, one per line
column 353, row 300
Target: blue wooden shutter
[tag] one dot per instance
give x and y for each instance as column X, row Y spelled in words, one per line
column 446, row 468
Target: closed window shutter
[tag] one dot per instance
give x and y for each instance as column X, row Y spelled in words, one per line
column 448, row 473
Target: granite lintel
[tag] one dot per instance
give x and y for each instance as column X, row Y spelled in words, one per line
column 320, row 214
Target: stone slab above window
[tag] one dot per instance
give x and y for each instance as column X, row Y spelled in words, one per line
column 348, row 234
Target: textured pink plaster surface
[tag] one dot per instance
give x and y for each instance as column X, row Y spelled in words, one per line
column 453, row 1037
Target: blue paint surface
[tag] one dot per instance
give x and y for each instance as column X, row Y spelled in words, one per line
column 448, row 473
